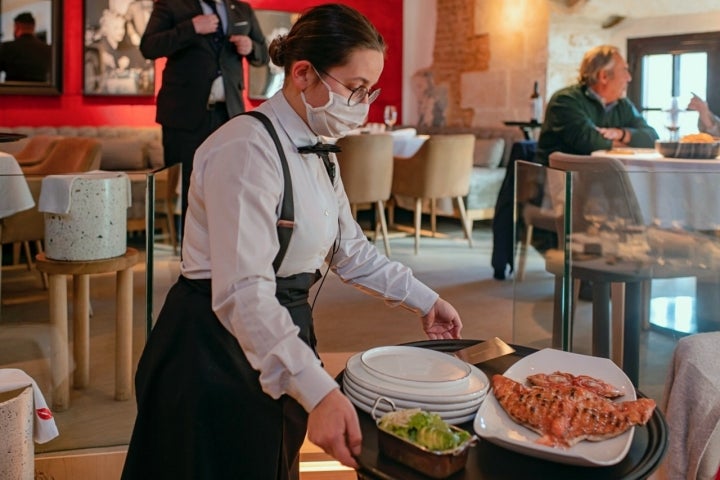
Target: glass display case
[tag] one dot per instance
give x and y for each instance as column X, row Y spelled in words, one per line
column 29, row 338
column 620, row 257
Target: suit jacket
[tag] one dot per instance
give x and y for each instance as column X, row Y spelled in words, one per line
column 192, row 63
column 26, row 58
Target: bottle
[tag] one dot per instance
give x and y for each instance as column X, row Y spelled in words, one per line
column 536, row 104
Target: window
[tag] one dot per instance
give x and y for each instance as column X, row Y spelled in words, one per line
column 674, row 67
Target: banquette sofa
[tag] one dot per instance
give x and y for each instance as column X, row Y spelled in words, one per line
column 136, row 150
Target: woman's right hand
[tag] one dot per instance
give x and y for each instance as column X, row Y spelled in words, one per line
column 333, row 425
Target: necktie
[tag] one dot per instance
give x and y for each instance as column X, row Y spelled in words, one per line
column 218, row 36
column 323, row 150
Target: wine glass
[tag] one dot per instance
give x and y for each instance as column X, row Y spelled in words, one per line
column 390, row 116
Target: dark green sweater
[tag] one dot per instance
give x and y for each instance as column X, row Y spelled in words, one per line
column 572, row 116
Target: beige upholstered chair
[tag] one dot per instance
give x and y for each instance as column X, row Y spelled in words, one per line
column 68, row 155
column 36, row 149
column 440, row 169
column 366, row 169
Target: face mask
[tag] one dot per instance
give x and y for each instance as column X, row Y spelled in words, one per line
column 336, row 117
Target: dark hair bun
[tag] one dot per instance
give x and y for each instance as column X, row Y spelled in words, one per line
column 277, row 50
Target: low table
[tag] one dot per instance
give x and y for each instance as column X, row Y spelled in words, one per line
column 81, row 271
column 487, row 461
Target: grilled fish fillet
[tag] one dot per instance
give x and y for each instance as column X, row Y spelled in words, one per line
column 593, row 384
column 564, row 415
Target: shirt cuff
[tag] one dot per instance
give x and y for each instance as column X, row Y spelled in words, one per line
column 310, row 386
column 421, row 298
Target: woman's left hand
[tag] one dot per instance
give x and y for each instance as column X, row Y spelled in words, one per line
column 442, row 321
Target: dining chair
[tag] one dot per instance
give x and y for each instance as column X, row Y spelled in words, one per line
column 166, row 197
column 36, row 149
column 441, row 168
column 598, row 181
column 534, row 205
column 366, row 169
column 68, row 155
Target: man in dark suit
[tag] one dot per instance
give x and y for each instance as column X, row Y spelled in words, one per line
column 204, row 42
column 26, row 58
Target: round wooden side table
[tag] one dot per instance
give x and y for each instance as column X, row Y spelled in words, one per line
column 81, row 271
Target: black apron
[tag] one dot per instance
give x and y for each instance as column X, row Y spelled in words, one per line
column 202, row 414
column 201, row 411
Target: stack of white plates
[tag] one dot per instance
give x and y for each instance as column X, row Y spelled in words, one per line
column 414, row 377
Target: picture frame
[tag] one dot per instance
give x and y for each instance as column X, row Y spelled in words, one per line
column 48, row 27
column 112, row 61
column 265, row 81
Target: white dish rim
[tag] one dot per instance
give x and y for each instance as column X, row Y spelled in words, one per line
column 477, row 386
column 447, row 410
column 411, row 378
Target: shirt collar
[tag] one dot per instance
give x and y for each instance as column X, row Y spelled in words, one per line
column 607, row 106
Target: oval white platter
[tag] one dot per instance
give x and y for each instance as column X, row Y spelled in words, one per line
column 493, row 424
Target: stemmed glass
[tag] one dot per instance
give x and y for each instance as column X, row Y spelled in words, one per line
column 390, row 116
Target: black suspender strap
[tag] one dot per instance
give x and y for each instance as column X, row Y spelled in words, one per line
column 286, row 222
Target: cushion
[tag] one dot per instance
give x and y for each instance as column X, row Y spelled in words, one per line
column 488, row 152
column 154, row 152
column 122, row 154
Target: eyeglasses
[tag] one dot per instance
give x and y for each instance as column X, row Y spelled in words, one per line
column 357, row 95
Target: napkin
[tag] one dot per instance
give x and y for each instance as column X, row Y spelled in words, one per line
column 44, row 428
column 56, row 192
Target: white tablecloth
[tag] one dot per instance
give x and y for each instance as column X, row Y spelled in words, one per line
column 673, row 190
column 406, row 143
column 14, row 191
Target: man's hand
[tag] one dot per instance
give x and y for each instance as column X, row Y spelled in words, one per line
column 205, row 24
column 333, row 425
column 243, row 44
column 620, row 137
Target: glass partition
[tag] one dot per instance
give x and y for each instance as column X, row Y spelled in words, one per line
column 635, row 264
column 30, row 336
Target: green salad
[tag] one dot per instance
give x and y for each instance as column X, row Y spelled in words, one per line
column 426, row 429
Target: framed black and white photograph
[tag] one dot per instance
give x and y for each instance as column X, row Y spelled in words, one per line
column 113, row 64
column 264, row 81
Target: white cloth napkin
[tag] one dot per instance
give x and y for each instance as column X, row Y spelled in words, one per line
column 44, row 428
column 56, row 192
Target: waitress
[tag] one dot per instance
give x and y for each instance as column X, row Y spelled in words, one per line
column 230, row 381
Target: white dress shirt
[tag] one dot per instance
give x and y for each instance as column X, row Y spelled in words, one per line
column 230, row 236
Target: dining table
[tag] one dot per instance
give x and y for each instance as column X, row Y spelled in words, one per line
column 15, row 194
column 673, row 191
column 530, row 128
column 487, row 461
column 11, row 137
